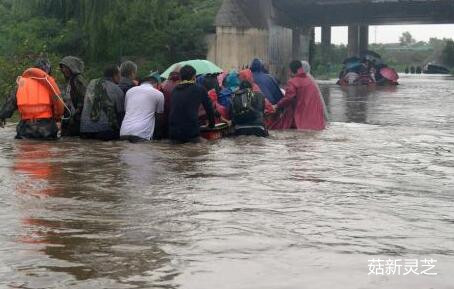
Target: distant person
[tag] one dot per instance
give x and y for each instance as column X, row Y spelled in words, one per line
column 186, row 100
column 365, row 77
column 104, row 107
column 72, row 69
column 412, row 70
column 128, row 70
column 268, row 84
column 302, row 105
column 418, row 70
column 248, row 111
column 144, row 107
column 39, row 102
column 407, row 70
column 350, row 78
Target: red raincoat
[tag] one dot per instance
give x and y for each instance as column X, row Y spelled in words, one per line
column 302, row 106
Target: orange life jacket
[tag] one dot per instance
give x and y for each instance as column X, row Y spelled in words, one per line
column 37, row 96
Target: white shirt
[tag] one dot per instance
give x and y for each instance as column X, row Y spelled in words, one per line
column 141, row 105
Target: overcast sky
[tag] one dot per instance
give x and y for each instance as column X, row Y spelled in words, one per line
column 391, row 33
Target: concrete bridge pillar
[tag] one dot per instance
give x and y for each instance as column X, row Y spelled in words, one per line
column 353, row 40
column 247, row 29
column 358, row 39
column 326, row 42
column 363, row 38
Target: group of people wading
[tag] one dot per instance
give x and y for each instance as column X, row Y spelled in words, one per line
column 369, row 69
column 118, row 107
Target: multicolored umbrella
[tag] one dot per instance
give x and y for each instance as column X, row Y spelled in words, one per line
column 371, row 56
column 389, row 73
column 200, row 65
column 353, row 59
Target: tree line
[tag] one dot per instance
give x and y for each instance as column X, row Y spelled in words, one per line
column 154, row 33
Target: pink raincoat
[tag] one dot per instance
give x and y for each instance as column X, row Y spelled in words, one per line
column 302, row 106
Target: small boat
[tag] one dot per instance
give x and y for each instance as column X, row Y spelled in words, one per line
column 435, row 69
column 221, row 130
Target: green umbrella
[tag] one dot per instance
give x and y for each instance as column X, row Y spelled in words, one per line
column 201, row 67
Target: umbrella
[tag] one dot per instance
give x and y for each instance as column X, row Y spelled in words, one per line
column 370, row 53
column 201, row 67
column 352, row 60
column 389, row 73
column 371, row 56
column 352, row 65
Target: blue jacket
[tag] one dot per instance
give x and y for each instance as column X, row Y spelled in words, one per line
column 268, row 85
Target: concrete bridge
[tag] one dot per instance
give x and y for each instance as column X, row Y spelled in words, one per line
column 280, row 30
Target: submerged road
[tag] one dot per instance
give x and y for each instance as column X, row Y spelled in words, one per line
column 297, row 210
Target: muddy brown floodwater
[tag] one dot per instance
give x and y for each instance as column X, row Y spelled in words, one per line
column 297, row 210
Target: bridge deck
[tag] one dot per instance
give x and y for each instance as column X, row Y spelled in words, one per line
column 253, row 13
column 344, row 12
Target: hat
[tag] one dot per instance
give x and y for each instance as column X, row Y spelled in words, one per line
column 43, row 64
column 153, row 75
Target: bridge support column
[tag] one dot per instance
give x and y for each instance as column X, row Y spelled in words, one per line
column 353, row 40
column 296, row 43
column 326, row 43
column 363, row 38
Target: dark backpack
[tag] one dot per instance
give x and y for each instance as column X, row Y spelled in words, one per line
column 243, row 102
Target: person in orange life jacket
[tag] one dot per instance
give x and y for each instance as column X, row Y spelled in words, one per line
column 39, row 102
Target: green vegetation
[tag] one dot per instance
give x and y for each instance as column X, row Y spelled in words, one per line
column 154, row 33
column 448, row 54
column 407, row 39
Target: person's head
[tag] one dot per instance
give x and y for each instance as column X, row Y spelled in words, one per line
column 210, row 82
column 247, row 75
column 174, row 76
column 128, row 70
column 66, row 71
column 257, row 65
column 44, row 65
column 154, row 78
column 306, row 66
column 71, row 65
column 188, row 73
column 295, row 66
column 232, row 80
column 112, row 72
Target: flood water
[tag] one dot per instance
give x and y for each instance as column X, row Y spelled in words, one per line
column 297, row 210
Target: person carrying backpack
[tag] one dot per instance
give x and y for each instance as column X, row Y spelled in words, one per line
column 248, row 109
